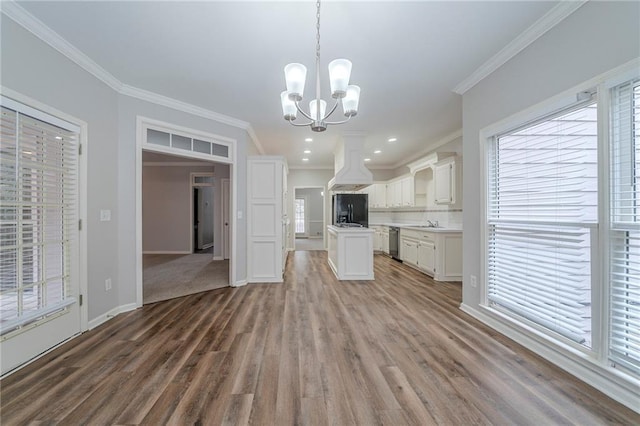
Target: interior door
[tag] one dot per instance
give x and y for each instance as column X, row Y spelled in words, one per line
column 40, row 241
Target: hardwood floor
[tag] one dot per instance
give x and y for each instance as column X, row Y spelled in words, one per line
column 310, row 351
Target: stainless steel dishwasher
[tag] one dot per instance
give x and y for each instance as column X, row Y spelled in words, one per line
column 394, row 242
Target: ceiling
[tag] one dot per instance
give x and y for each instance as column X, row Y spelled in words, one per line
column 228, row 57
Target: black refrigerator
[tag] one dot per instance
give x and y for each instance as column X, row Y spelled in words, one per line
column 350, row 209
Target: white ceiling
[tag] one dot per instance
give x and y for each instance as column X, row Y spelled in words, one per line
column 228, row 57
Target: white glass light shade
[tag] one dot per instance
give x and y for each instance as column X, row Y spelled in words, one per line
column 351, row 100
column 339, row 74
column 314, row 110
column 289, row 109
column 295, row 76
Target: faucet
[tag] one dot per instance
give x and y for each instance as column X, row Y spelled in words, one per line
column 433, row 224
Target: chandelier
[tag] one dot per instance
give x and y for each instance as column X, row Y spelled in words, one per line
column 339, row 73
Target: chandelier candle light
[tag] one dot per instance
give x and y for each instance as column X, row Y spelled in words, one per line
column 339, row 73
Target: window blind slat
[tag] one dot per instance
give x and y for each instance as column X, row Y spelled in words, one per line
column 546, row 172
column 624, row 273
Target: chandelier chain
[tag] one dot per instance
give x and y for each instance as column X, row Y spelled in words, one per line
column 318, row 31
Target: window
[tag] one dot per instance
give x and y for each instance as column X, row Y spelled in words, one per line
column 38, row 219
column 299, row 215
column 624, row 271
column 542, row 221
column 187, row 143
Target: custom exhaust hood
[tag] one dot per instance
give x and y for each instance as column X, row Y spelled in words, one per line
column 350, row 171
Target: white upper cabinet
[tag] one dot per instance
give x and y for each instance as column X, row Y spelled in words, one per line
column 444, row 177
column 406, row 185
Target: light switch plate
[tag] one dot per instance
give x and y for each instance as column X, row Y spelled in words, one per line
column 105, row 215
column 239, row 214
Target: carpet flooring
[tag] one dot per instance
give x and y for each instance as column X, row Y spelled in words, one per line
column 167, row 276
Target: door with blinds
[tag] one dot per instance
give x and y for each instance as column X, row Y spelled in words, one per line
column 39, row 236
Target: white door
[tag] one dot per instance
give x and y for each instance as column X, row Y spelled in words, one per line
column 226, row 216
column 39, row 236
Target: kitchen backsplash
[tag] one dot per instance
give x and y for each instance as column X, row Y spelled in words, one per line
column 446, row 218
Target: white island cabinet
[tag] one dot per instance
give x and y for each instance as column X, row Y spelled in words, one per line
column 351, row 252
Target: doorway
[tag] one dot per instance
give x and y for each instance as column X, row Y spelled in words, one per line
column 202, row 222
column 182, row 237
column 309, row 218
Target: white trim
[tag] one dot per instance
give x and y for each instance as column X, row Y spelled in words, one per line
column 310, row 168
column 240, row 283
column 101, row 319
column 612, row 382
column 142, row 123
column 83, row 274
column 39, row 29
column 175, row 164
column 432, row 147
column 218, row 257
column 550, row 19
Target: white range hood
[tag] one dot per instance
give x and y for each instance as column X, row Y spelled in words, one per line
column 350, row 171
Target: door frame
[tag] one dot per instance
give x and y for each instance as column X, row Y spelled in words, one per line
column 225, row 198
column 192, row 186
column 324, row 212
column 141, row 124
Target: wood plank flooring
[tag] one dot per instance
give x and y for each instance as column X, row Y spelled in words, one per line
column 311, row 351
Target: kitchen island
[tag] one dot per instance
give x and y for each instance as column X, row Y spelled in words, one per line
column 351, row 252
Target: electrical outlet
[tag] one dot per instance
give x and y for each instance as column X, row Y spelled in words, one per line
column 473, row 281
column 107, row 284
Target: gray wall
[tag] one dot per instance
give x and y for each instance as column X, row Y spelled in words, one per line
column 32, row 68
column 596, row 38
column 166, row 208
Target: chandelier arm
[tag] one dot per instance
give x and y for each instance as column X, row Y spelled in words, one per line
column 332, row 109
column 298, row 124
column 338, row 122
column 302, row 112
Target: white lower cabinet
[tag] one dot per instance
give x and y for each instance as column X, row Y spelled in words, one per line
column 437, row 253
column 409, row 251
column 427, row 256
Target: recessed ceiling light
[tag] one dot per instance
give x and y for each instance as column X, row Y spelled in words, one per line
column 307, row 151
column 367, row 159
column 305, row 159
column 377, row 151
column 308, row 140
column 393, row 139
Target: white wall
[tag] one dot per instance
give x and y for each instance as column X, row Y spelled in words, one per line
column 32, row 68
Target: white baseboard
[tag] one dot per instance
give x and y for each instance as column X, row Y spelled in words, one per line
column 611, row 382
column 166, row 252
column 110, row 314
column 218, row 258
column 240, row 283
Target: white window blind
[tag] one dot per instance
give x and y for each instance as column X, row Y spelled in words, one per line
column 624, row 334
column 38, row 163
column 542, row 221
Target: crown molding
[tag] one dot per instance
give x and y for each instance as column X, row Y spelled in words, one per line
column 177, row 164
column 39, row 29
column 310, row 168
column 432, row 147
column 550, row 19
